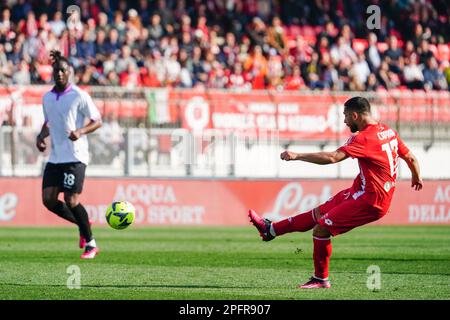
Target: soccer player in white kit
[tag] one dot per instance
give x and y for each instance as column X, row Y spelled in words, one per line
column 66, row 108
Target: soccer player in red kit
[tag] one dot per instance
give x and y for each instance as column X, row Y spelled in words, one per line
column 377, row 148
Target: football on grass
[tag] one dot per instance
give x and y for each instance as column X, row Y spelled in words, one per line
column 120, row 214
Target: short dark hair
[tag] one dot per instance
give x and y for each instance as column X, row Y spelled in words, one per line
column 57, row 57
column 357, row 104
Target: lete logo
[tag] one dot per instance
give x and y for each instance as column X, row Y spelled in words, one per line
column 8, row 203
column 291, row 200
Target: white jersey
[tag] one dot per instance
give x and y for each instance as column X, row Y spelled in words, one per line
column 65, row 112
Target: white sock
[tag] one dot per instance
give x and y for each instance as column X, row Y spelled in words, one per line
column 91, row 243
column 272, row 230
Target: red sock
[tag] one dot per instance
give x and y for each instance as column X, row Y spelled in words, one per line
column 322, row 254
column 301, row 222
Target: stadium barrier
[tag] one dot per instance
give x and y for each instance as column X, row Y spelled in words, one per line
column 215, row 202
column 301, row 115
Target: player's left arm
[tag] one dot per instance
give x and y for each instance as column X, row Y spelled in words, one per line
column 90, row 127
column 88, row 108
column 413, row 165
column 315, row 157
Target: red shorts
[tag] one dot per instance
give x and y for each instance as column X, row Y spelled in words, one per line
column 342, row 212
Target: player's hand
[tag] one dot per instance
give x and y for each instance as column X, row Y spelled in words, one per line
column 75, row 135
column 288, row 155
column 416, row 183
column 40, row 144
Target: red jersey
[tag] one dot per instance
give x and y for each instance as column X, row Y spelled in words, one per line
column 377, row 148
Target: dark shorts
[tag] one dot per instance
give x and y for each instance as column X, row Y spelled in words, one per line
column 67, row 176
column 342, row 213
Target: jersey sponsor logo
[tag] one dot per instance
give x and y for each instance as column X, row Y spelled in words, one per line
column 387, row 186
column 387, row 134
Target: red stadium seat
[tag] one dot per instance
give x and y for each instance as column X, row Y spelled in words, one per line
column 443, row 52
column 382, row 46
column 359, row 45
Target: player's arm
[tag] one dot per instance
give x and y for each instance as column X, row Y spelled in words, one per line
column 413, row 165
column 90, row 127
column 315, row 157
column 44, row 133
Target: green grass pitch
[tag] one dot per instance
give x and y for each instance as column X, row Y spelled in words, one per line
column 161, row 263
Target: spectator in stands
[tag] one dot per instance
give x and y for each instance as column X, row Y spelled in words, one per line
column 86, row 48
column 330, row 75
column 130, row 77
column 103, row 24
column 20, row 10
column 274, row 70
column 313, row 71
column 276, row 37
column 256, row 67
column 257, row 32
column 434, row 78
column 387, row 78
column 424, row 51
column 5, row 24
column 361, row 70
column 57, row 25
column 119, row 24
column 21, row 76
column 113, row 43
column 412, row 73
column 372, row 83
column 165, row 13
column 395, row 55
column 211, row 33
column 173, row 70
column 408, row 50
column 101, row 48
column 342, row 51
column 155, row 30
column 372, row 54
column 5, row 66
column 237, row 80
column 294, row 81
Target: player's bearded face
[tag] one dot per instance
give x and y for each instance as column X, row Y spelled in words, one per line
column 350, row 122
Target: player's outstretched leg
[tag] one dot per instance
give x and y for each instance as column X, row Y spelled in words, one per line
column 268, row 230
column 299, row 223
column 263, row 225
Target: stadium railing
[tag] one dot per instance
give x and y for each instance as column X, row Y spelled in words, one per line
column 221, row 133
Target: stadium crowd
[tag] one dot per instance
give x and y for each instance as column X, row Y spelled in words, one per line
column 239, row 44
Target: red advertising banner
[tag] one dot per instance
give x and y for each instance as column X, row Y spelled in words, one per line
column 215, row 202
column 308, row 116
column 295, row 115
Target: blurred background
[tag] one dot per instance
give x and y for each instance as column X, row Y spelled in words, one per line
column 217, row 88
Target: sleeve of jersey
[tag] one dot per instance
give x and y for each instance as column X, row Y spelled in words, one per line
column 403, row 150
column 88, row 107
column 355, row 147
